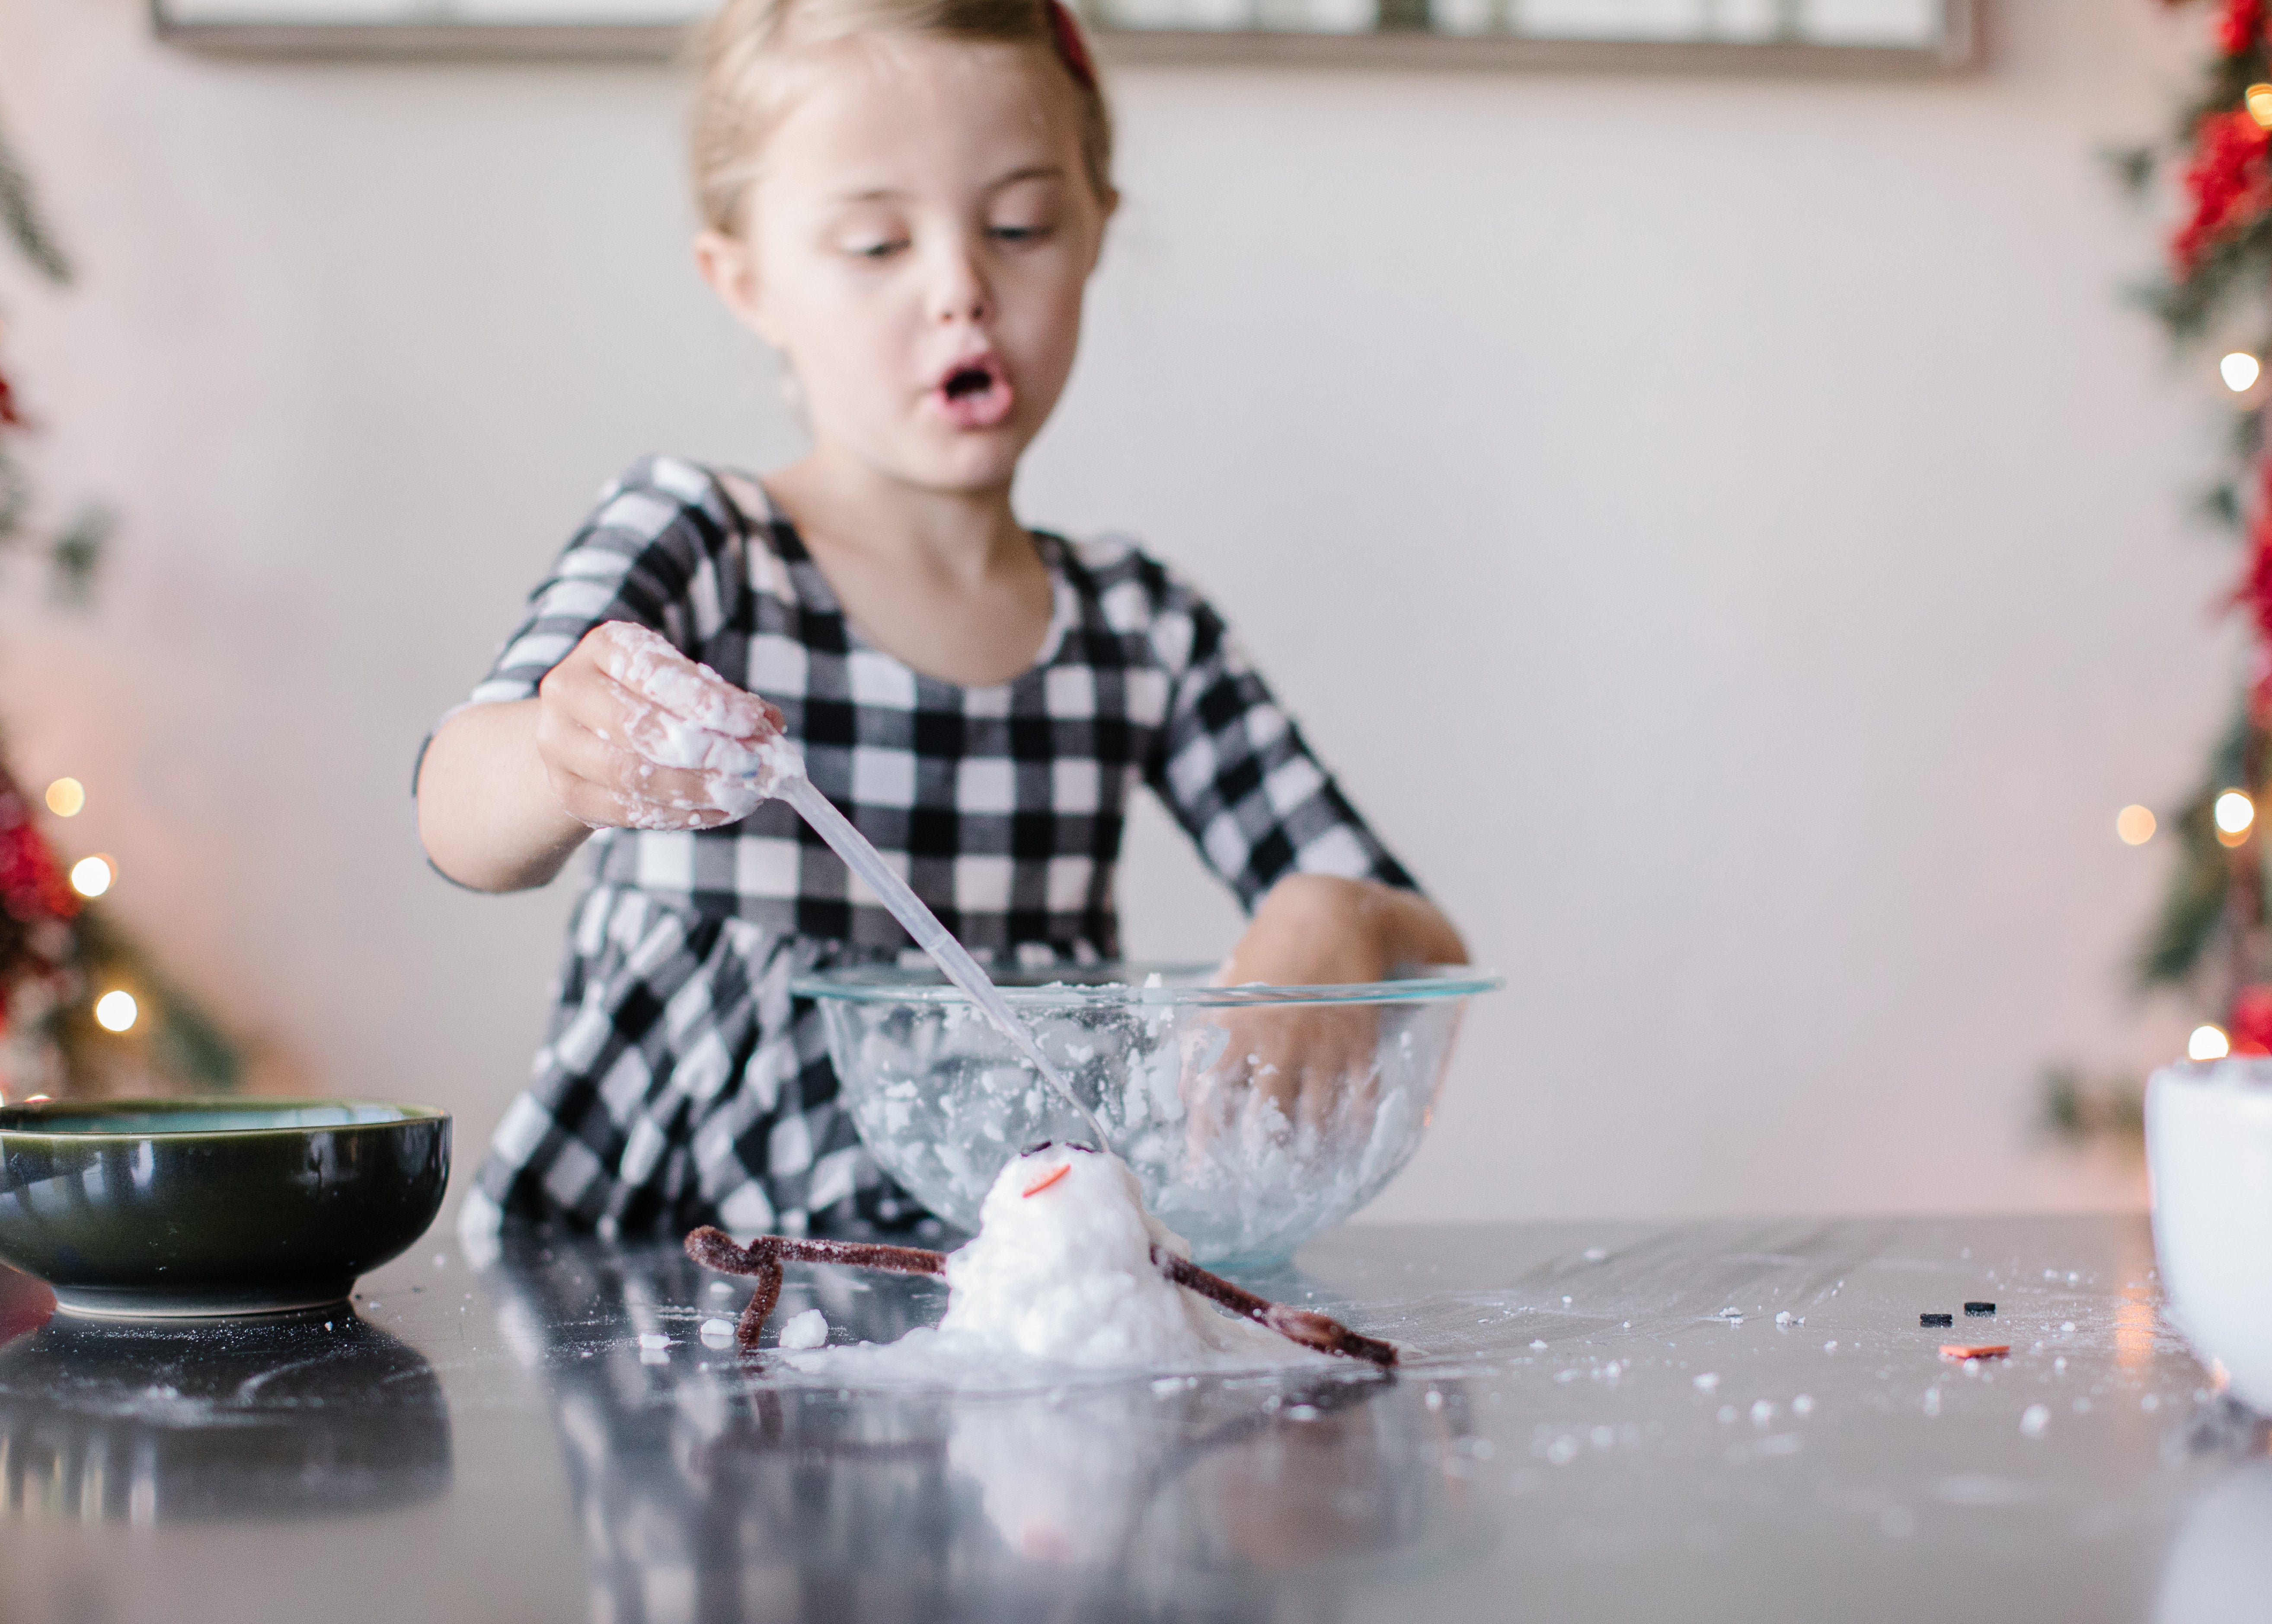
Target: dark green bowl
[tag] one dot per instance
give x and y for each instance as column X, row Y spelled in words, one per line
column 170, row 1208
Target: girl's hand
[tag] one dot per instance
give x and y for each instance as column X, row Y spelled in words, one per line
column 633, row 734
column 1316, row 1065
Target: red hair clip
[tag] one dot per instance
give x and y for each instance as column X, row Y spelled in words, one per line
column 1071, row 47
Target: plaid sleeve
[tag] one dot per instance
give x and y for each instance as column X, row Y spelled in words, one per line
column 659, row 550
column 1236, row 773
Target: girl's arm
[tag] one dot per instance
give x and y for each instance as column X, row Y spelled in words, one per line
column 486, row 811
column 1320, row 930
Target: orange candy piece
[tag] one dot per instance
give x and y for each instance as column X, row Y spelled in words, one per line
column 1971, row 1350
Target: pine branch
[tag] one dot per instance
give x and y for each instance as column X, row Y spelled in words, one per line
column 2193, row 906
column 2132, row 168
column 2220, row 505
column 2194, row 909
column 186, row 1045
column 19, row 212
column 76, row 553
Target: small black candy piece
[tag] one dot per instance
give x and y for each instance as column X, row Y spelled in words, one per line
column 1936, row 1319
column 1974, row 1310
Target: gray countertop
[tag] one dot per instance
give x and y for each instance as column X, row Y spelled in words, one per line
column 1580, row 1432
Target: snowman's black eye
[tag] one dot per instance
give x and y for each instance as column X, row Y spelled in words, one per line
column 1037, row 1150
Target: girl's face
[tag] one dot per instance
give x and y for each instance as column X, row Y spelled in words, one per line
column 917, row 244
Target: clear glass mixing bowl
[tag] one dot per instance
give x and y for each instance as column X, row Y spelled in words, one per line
column 1254, row 1117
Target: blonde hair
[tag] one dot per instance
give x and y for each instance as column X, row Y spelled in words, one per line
column 742, row 58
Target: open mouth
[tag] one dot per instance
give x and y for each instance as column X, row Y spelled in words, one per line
column 974, row 394
column 966, row 381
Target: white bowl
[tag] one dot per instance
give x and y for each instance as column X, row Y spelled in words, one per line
column 2208, row 1152
column 943, row 1102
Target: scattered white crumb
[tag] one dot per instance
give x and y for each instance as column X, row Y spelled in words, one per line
column 1803, row 1404
column 717, row 1333
column 2066, row 1326
column 1785, row 1319
column 1831, row 1346
column 1705, row 1382
column 1594, row 1255
column 653, row 1339
column 721, row 1287
column 1538, row 1342
column 809, row 1329
column 2034, row 1420
column 1435, row 1399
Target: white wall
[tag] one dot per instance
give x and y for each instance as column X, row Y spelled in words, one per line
column 1728, row 533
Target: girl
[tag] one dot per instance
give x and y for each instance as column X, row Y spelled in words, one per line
column 907, row 199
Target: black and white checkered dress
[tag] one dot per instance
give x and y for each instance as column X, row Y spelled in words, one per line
column 679, row 1083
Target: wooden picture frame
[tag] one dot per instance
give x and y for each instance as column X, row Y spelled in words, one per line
column 1405, row 39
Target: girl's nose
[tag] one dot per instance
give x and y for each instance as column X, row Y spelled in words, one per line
column 959, row 292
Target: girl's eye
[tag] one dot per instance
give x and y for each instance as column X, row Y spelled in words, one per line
column 1018, row 234
column 881, row 249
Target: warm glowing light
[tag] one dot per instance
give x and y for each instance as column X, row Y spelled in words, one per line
column 2258, row 100
column 2240, row 370
column 2234, row 811
column 115, row 1011
column 2135, row 825
column 65, row 796
column 91, row 876
column 2207, row 1043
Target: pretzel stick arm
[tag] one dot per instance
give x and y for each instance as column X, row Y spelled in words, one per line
column 762, row 1259
column 758, row 1309
column 1312, row 1330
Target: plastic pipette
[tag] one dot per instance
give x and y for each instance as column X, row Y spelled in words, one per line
column 932, row 937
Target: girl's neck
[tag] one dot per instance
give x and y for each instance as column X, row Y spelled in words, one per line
column 946, row 582
column 845, row 507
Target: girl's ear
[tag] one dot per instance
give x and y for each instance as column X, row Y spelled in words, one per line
column 731, row 270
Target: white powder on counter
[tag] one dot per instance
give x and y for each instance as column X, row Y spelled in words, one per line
column 809, row 1329
column 1061, row 1275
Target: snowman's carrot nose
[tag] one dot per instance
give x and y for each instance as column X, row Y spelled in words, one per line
column 1052, row 1178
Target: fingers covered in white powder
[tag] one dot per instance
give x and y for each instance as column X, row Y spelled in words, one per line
column 635, row 735
column 1307, row 1076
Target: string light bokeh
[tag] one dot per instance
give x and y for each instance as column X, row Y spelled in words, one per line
column 2240, row 370
column 115, row 1011
column 2233, row 813
column 91, row 877
column 2136, row 824
column 2207, row 1043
